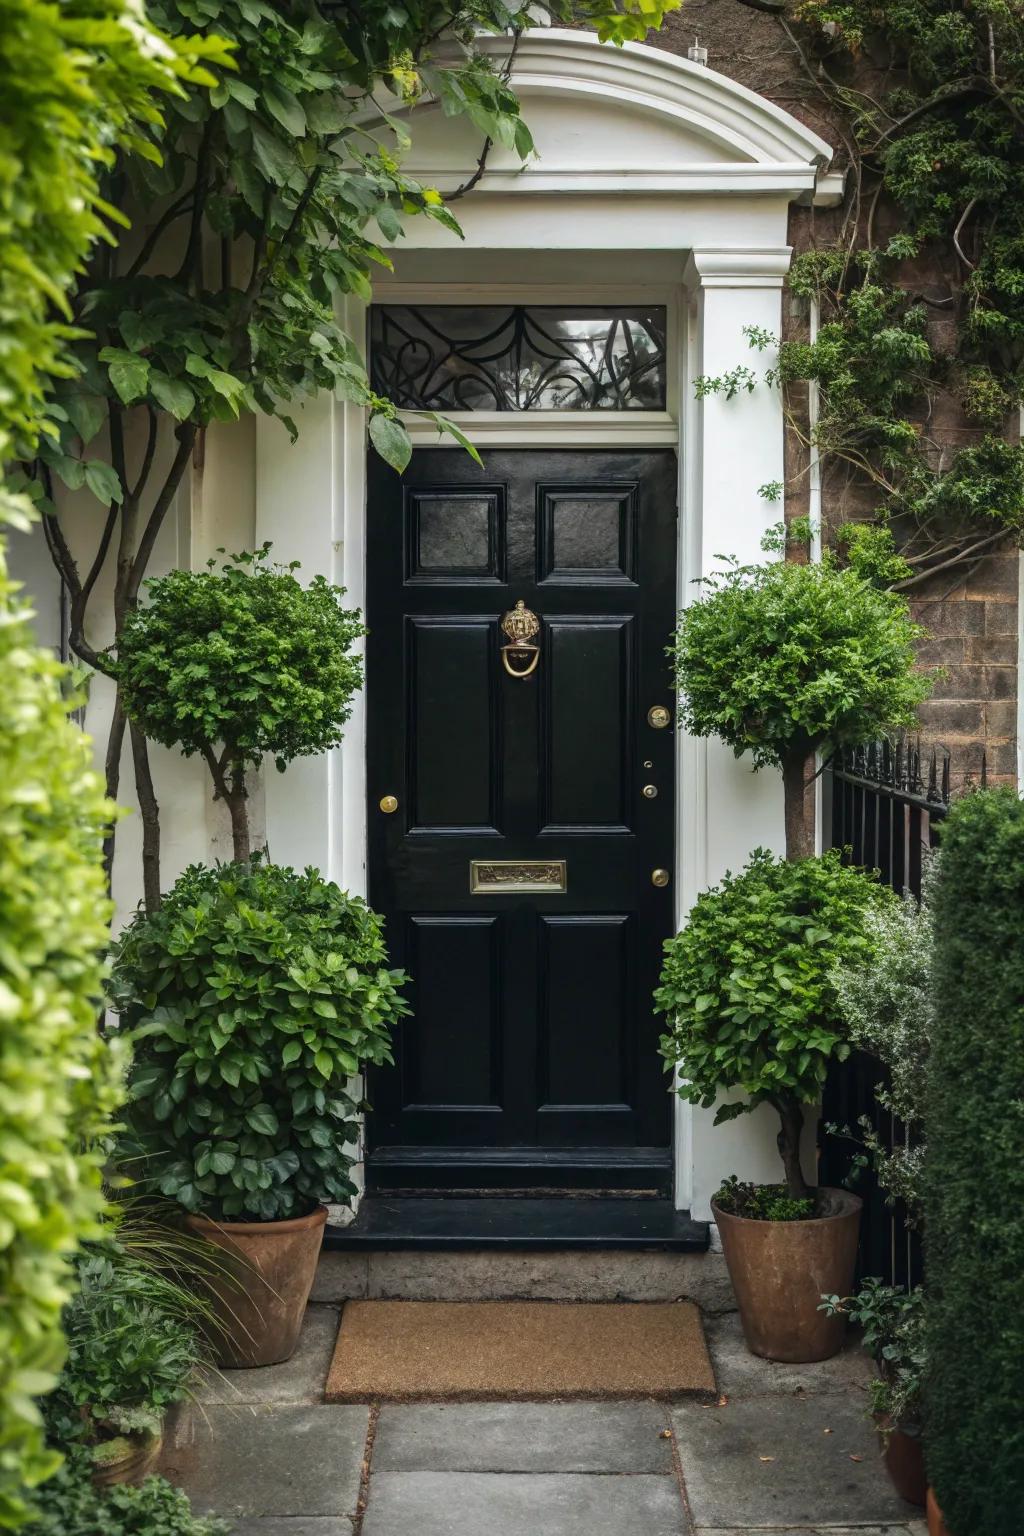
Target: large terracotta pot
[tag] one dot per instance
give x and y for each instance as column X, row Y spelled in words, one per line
column 781, row 1269
column 936, row 1525
column 904, row 1461
column 260, row 1296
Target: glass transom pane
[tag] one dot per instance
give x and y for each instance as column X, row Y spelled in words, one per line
column 519, row 357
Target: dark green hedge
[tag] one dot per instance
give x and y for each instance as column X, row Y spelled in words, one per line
column 974, row 1183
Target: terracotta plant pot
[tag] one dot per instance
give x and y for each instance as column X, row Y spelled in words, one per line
column 126, row 1459
column 260, row 1297
column 781, row 1269
column 936, row 1525
column 903, row 1455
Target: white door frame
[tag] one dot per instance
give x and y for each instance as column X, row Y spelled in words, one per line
column 725, row 244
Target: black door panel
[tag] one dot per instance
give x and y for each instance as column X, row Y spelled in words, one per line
column 532, row 1023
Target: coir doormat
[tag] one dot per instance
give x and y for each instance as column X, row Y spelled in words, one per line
column 465, row 1351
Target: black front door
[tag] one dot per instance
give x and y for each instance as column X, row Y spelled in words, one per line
column 517, row 871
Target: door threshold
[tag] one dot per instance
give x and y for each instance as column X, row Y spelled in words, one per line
column 457, row 1223
column 636, row 1170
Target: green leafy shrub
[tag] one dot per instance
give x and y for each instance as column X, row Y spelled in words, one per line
column 69, row 1505
column 256, row 995
column 59, row 1082
column 885, row 997
column 782, row 660
column 893, row 1324
column 132, row 1347
column 748, row 990
column 247, row 661
column 974, row 1172
column 761, row 1202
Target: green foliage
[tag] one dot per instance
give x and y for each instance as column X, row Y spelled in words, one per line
column 885, row 999
column 974, row 1175
column 247, row 657
column 748, row 985
column 939, row 141
column 872, row 554
column 69, row 1505
column 256, row 996
column 58, row 1080
column 761, row 1202
column 781, row 658
column 291, row 167
column 75, row 82
column 893, row 1323
column 132, row 1347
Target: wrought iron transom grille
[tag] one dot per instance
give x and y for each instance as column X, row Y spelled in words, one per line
column 519, row 357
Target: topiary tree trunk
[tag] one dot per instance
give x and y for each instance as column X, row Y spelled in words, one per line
column 798, row 802
column 974, row 1172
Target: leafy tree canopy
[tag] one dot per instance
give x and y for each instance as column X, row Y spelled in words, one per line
column 749, row 992
column 784, row 659
column 258, row 994
column 75, row 83
column 247, row 660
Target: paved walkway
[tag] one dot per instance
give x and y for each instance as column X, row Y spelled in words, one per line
column 786, row 1450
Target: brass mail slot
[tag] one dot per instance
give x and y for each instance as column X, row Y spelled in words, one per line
column 505, row 877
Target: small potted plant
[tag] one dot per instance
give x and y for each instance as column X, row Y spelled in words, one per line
column 893, row 1334
column 747, row 988
column 255, row 996
column 133, row 1345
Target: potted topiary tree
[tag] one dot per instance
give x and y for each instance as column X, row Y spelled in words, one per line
column 747, row 987
column 256, row 994
column 238, row 665
column 783, row 660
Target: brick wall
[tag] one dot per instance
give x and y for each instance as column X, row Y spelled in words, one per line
column 971, row 623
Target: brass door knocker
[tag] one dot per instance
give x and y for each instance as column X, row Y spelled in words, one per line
column 520, row 656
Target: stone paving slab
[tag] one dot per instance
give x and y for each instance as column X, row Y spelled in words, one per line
column 767, row 1461
column 523, row 1504
column 298, row 1380
column 330, row 1525
column 523, row 1437
column 283, row 1460
column 817, row 1530
column 741, row 1374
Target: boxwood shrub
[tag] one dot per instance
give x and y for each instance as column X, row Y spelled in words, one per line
column 974, row 1172
column 749, row 991
column 256, row 995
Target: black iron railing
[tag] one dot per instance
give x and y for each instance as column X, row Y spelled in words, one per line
column 887, row 801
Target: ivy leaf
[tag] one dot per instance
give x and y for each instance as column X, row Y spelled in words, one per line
column 172, row 395
column 262, row 1120
column 128, row 373
column 391, row 441
column 285, row 106
column 103, row 481
column 275, row 159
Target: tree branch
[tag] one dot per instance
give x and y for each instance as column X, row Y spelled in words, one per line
column 185, row 434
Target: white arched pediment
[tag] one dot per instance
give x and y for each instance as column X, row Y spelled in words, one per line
column 634, row 119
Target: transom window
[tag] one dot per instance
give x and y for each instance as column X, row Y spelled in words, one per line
column 519, row 357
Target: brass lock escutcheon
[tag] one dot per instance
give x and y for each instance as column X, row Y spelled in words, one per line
column 520, row 655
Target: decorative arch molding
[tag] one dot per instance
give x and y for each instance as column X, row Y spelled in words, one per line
column 631, row 119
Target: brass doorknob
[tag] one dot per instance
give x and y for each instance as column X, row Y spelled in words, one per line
column 388, row 803
column 659, row 877
column 658, row 717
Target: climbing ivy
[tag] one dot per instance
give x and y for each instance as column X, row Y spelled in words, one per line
column 928, row 96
